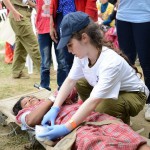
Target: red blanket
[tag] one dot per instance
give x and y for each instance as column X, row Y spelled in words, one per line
column 106, row 137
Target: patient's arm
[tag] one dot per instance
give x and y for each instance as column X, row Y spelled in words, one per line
column 35, row 117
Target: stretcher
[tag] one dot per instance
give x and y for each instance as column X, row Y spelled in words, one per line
column 7, row 117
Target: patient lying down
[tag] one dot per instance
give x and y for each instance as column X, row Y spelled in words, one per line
column 30, row 110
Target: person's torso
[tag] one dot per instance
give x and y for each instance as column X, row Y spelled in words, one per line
column 107, row 13
column 136, row 11
column 66, row 6
column 86, row 6
column 127, row 76
column 42, row 23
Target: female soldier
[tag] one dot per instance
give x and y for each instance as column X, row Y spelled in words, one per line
column 112, row 86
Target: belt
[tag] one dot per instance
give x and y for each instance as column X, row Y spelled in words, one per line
column 25, row 8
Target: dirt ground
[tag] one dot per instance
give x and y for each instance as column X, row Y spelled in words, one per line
column 10, row 87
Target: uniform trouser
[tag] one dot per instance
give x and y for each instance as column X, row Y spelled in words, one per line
column 128, row 103
column 26, row 43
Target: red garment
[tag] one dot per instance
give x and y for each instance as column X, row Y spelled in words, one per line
column 111, row 36
column 9, row 53
column 87, row 6
column 106, row 137
column 31, row 108
column 42, row 23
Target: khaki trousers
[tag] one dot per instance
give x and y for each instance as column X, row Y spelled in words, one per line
column 128, row 103
column 26, row 42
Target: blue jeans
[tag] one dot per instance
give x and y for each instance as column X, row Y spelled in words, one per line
column 45, row 43
column 64, row 58
column 134, row 38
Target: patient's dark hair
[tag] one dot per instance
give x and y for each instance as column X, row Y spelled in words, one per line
column 17, row 107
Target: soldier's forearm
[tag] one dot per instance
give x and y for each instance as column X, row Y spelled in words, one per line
column 9, row 5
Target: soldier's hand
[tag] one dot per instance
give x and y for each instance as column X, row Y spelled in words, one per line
column 17, row 16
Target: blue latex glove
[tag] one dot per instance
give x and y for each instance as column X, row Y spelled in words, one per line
column 50, row 116
column 55, row 132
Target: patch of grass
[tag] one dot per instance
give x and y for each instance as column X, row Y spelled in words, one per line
column 11, row 87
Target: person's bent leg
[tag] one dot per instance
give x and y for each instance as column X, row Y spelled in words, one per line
column 126, row 40
column 83, row 88
column 128, row 104
column 45, row 44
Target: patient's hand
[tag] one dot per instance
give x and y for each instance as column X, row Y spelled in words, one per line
column 55, row 132
column 50, row 116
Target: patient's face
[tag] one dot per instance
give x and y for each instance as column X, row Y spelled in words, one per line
column 29, row 101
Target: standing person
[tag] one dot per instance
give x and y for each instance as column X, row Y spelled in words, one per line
column 58, row 9
column 112, row 85
column 26, row 42
column 45, row 43
column 133, row 28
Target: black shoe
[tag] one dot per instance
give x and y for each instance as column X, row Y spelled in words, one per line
column 40, row 87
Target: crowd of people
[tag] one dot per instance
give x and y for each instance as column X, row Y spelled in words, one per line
column 106, row 80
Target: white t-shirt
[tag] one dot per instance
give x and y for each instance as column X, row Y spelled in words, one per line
column 110, row 74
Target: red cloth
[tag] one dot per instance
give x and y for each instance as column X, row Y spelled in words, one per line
column 109, row 36
column 87, row 6
column 42, row 23
column 21, row 112
column 9, row 53
column 106, row 137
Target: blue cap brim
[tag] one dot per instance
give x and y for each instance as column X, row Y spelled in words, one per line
column 63, row 42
